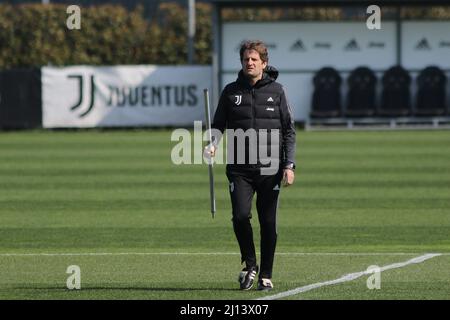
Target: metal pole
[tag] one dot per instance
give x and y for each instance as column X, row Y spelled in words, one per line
column 212, row 196
column 191, row 31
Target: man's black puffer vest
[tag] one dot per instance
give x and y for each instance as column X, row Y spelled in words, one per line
column 259, row 107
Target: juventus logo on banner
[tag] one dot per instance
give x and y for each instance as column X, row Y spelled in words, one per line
column 81, row 96
column 122, row 96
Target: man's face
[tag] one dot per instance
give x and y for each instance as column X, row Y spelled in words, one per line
column 252, row 65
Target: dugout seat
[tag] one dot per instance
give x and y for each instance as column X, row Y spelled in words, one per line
column 361, row 93
column 326, row 100
column 430, row 99
column 395, row 96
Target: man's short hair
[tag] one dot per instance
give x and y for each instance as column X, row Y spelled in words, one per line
column 256, row 45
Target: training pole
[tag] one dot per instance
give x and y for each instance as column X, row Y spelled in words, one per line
column 210, row 164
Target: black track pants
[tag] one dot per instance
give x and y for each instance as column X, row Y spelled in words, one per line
column 243, row 184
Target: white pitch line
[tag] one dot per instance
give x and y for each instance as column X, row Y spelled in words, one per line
column 15, row 254
column 56, row 254
column 348, row 277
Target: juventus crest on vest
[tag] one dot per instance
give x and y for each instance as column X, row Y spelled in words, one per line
column 238, row 99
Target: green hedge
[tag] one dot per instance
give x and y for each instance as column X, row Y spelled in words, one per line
column 36, row 35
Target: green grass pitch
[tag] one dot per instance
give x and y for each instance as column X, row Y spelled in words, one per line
column 139, row 226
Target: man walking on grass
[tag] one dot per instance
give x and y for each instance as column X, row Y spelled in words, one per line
column 256, row 102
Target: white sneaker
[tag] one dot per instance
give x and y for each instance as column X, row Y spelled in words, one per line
column 265, row 284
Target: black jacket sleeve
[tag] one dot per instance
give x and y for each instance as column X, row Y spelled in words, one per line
column 288, row 130
column 220, row 116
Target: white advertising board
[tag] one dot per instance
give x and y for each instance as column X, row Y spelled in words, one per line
column 312, row 45
column 425, row 43
column 88, row 96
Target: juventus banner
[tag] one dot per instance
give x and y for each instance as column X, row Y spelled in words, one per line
column 84, row 96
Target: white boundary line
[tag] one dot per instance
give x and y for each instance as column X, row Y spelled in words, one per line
column 51, row 254
column 348, row 277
